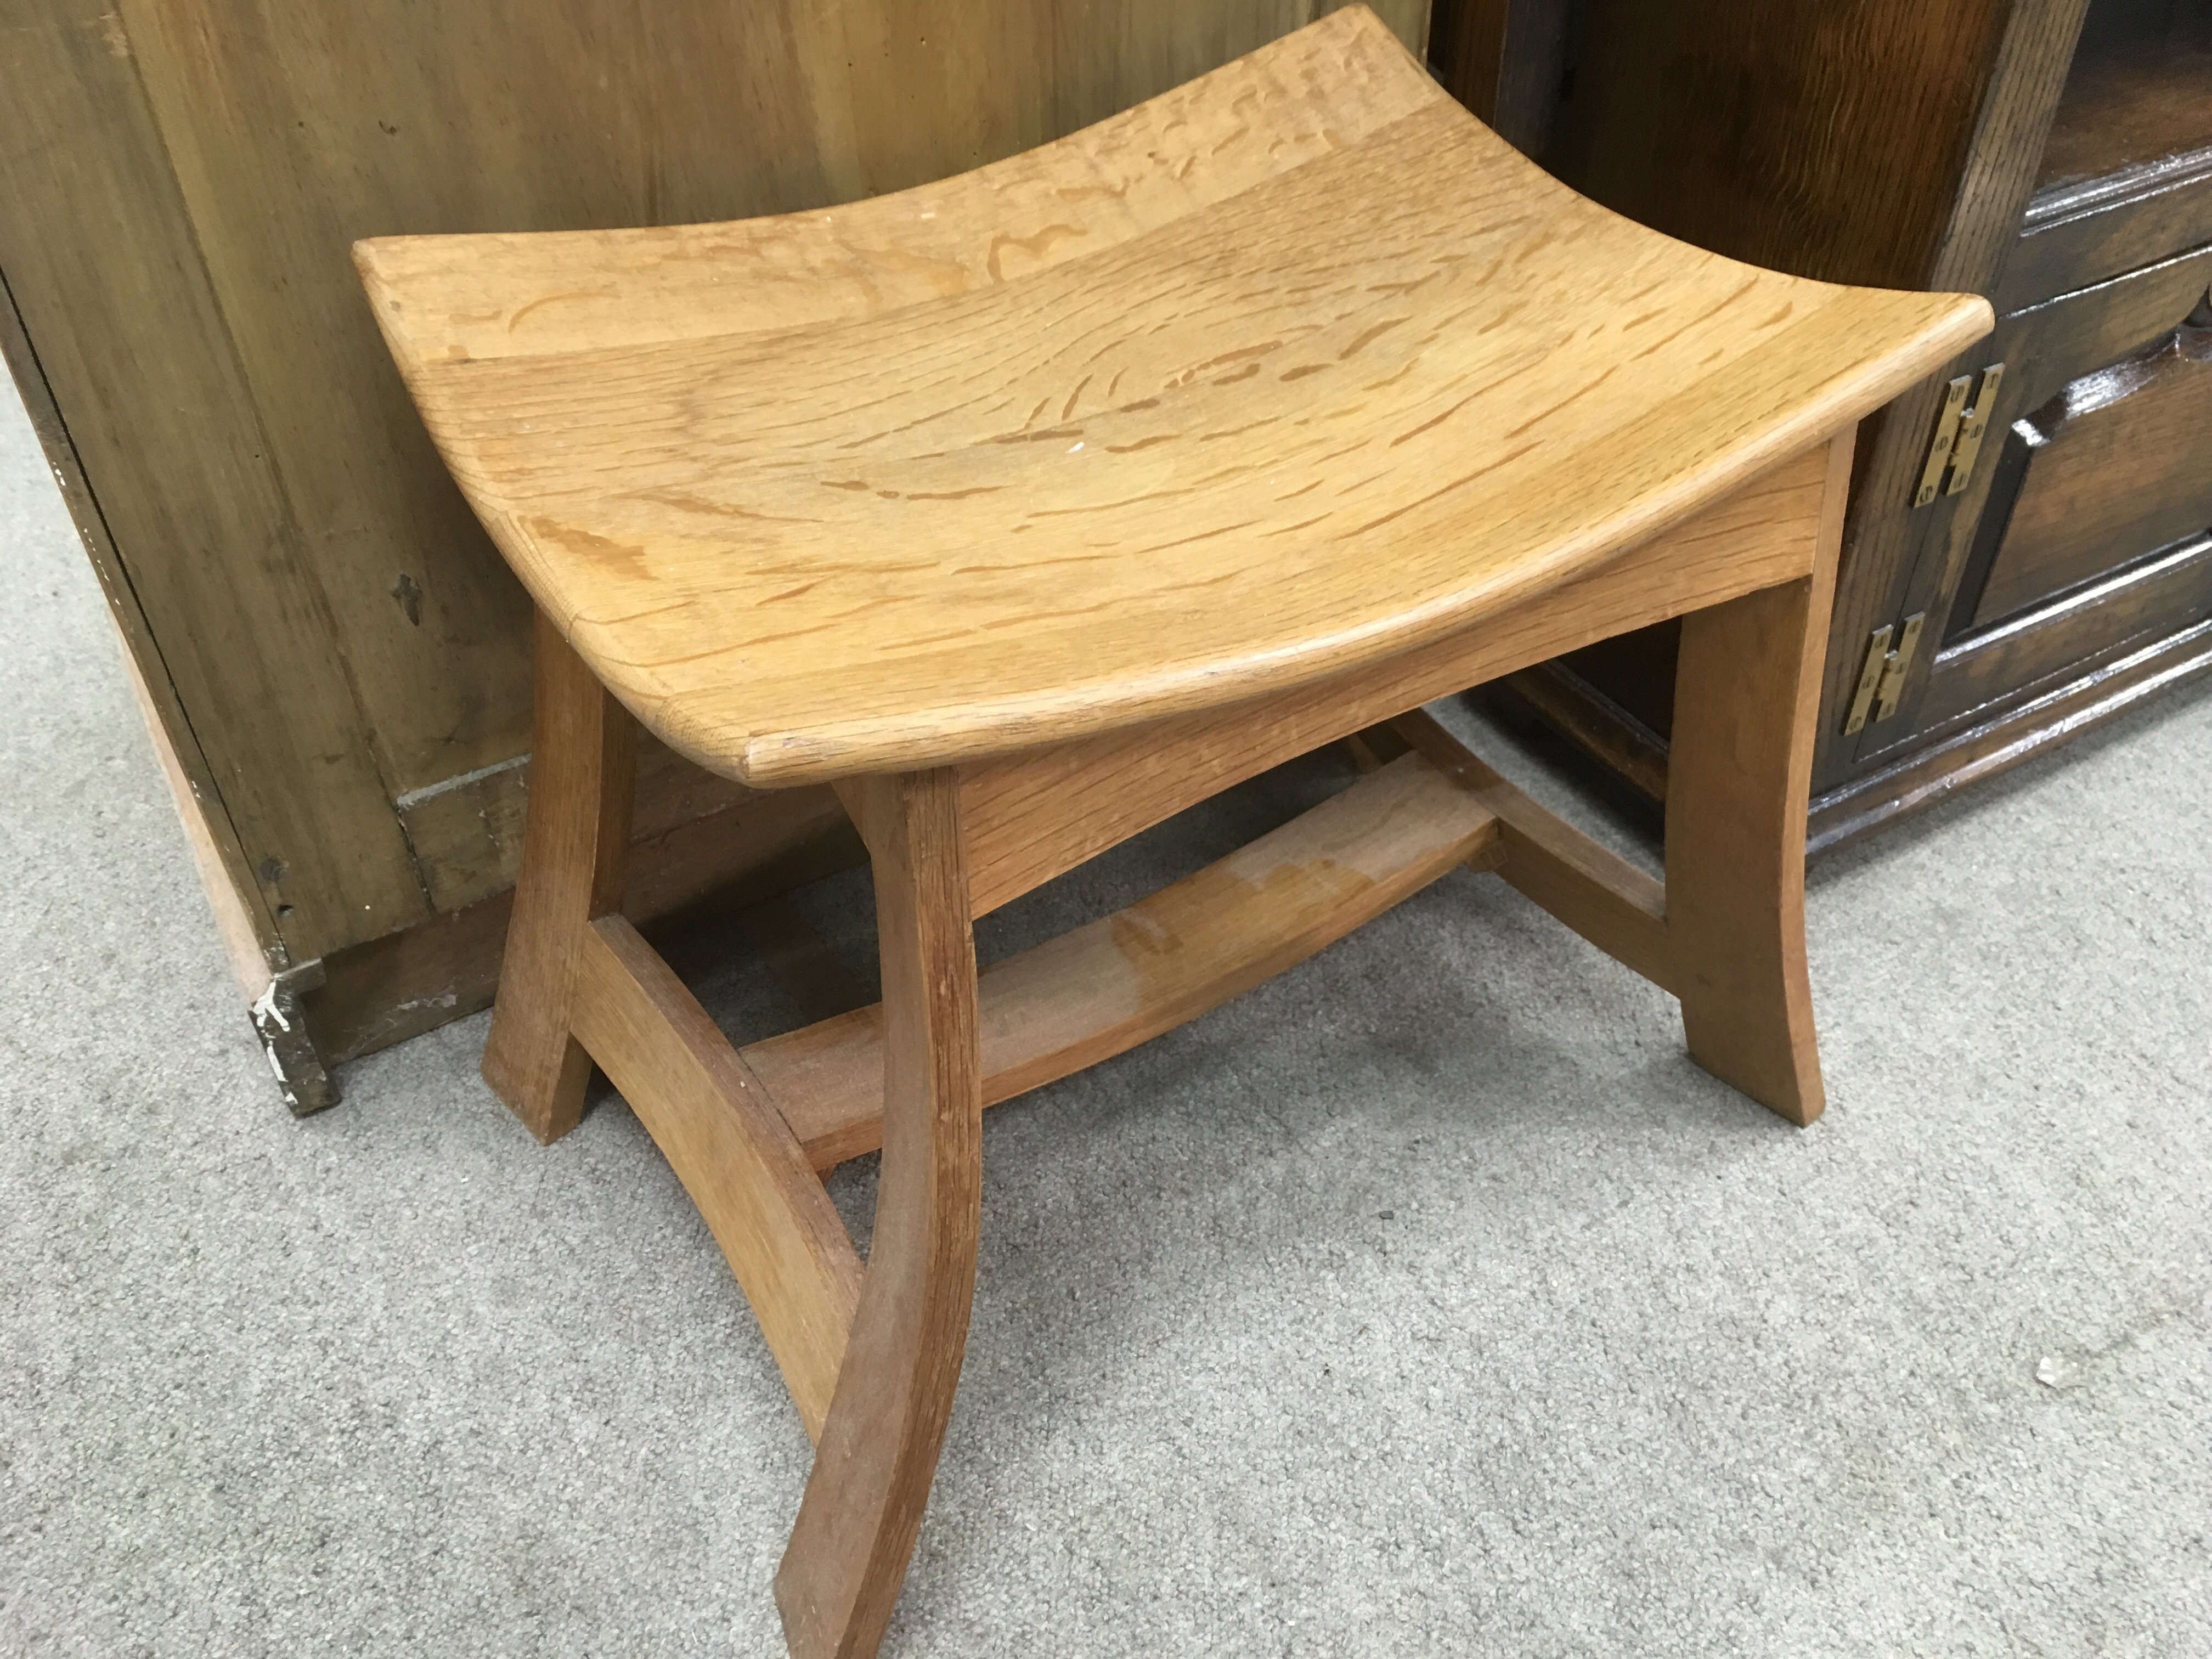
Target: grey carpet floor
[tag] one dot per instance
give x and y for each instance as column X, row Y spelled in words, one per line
column 1426, row 1302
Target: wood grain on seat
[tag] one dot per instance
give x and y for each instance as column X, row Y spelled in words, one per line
column 1044, row 450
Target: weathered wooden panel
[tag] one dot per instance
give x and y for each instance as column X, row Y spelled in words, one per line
column 134, row 345
column 179, row 184
column 466, row 832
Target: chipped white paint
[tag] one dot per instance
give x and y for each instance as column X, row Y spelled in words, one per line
column 266, row 1009
column 459, row 781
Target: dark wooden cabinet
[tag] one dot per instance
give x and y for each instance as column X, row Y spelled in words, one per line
column 2024, row 559
column 2084, row 524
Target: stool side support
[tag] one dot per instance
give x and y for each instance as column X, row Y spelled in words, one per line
column 1590, row 888
column 841, row 1574
column 714, row 1122
column 1108, row 986
column 575, row 834
column 1747, row 708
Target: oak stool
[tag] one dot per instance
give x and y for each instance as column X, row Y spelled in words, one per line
column 1030, row 507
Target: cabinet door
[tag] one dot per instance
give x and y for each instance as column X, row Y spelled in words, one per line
column 2086, row 527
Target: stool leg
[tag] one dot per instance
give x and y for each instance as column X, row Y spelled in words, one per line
column 583, row 747
column 877, row 1454
column 1747, row 694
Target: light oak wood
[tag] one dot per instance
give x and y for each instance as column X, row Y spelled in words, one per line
column 1736, row 861
column 1035, row 814
column 878, row 1452
column 1105, row 987
column 1273, row 378
column 572, row 874
column 1028, row 508
column 714, row 1122
column 1747, row 704
column 1592, row 889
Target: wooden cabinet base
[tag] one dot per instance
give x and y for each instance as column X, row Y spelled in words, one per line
column 1997, row 740
column 389, row 989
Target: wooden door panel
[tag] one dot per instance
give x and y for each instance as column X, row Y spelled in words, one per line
column 2049, row 346
column 2087, row 233
column 2110, row 469
column 2170, row 591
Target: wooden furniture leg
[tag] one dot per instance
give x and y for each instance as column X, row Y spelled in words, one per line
column 1746, row 701
column 848, row 1550
column 583, row 747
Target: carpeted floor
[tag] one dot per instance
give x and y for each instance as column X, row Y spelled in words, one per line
column 1426, row 1302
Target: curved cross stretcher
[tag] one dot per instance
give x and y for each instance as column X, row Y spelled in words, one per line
column 1030, row 507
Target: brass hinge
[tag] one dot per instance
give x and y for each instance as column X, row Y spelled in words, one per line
column 1881, row 677
column 1959, row 434
column 1939, row 446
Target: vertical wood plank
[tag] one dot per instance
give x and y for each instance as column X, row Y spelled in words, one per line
column 2019, row 100
column 1504, row 60
column 242, row 913
column 100, row 256
column 862, row 1511
column 1898, row 561
column 1893, row 559
column 1106, row 55
column 577, row 829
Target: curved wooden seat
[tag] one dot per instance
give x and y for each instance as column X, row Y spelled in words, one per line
column 1283, row 372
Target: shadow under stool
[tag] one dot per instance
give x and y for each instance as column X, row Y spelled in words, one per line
column 1032, row 507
